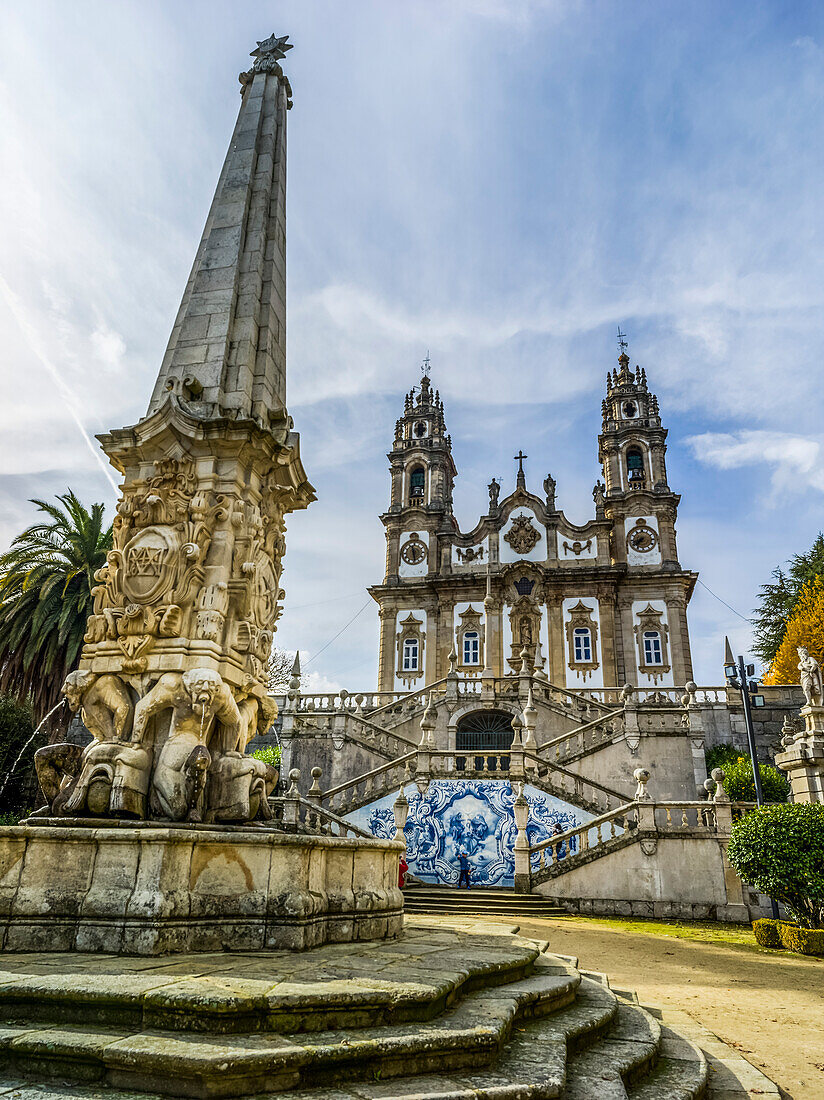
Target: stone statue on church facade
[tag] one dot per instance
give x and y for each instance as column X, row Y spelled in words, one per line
column 549, row 489
column 494, row 488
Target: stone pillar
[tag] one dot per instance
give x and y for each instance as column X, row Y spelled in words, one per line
column 386, row 658
column 803, row 758
column 625, row 651
column 681, row 658
column 607, row 614
column 555, row 627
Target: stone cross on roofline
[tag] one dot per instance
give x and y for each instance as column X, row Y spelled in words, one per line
column 519, row 458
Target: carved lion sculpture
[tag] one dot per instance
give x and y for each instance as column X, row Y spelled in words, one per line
column 106, row 711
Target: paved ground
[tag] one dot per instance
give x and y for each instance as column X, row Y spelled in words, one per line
column 769, row 1006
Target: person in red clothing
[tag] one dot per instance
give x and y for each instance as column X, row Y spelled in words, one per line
column 403, row 867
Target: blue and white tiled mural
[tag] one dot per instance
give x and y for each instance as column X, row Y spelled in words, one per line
column 470, row 816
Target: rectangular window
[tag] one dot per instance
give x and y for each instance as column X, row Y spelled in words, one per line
column 410, row 655
column 582, row 639
column 471, row 648
column 653, row 654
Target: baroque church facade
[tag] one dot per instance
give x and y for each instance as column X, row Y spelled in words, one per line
column 601, row 604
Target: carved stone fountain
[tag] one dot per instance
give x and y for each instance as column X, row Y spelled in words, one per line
column 154, row 837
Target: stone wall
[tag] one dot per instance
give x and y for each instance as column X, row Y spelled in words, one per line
column 147, row 889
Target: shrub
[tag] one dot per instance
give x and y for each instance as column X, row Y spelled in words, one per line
column 740, row 785
column 779, row 851
column 269, row 754
column 805, row 941
column 719, row 755
column 766, row 932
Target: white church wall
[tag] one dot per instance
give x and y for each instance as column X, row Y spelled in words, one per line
column 537, row 553
column 413, row 569
column 572, row 549
column 583, row 677
column 479, row 555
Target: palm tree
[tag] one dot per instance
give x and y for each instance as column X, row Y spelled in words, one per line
column 46, row 579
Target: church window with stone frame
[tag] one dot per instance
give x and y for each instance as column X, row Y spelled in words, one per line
column 653, row 651
column 651, row 633
column 410, row 655
column 469, row 639
column 410, row 649
column 582, row 641
column 471, row 648
column 417, row 482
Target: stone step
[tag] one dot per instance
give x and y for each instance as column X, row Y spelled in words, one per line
column 681, row 1072
column 334, row 986
column 197, row 1065
column 626, row 1053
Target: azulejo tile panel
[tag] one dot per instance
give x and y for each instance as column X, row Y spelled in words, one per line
column 472, row 816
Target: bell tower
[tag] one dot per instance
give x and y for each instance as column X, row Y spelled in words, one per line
column 631, row 450
column 421, row 458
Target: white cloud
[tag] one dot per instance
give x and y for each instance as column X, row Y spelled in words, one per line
column 796, row 460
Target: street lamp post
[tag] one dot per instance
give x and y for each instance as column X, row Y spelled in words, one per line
column 742, row 676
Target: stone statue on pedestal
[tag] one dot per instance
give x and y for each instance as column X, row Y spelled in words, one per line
column 811, row 683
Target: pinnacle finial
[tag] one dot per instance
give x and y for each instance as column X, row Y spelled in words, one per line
column 272, row 48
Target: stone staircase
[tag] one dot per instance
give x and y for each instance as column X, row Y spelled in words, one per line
column 451, row 1012
column 478, row 900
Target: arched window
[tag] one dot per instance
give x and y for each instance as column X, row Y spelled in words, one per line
column 484, row 731
column 471, row 647
column 635, row 467
column 582, row 645
column 653, row 650
column 410, row 655
column 417, row 480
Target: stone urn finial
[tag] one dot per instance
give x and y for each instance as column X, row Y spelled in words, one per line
column 641, row 777
column 720, row 794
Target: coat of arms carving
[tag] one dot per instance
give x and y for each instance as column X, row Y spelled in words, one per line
column 522, row 535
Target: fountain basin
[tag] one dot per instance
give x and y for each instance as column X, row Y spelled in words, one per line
column 138, row 888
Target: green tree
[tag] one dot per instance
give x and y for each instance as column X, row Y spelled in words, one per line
column 16, row 727
column 46, row 579
column 779, row 598
column 779, row 850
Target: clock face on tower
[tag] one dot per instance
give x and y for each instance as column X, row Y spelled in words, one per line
column 642, row 538
column 414, row 550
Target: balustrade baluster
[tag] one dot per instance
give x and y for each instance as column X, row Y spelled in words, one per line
column 669, row 816
column 684, row 820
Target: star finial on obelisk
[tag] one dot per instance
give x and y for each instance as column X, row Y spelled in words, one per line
column 272, row 48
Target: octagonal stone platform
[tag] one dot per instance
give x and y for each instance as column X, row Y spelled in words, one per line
column 147, row 889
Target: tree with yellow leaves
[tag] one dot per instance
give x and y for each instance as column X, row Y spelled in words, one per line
column 804, row 627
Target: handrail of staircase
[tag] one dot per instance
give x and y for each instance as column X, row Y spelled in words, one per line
column 595, row 823
column 313, row 812
column 333, row 791
column 573, row 694
column 411, row 695
column 580, row 729
column 379, row 729
column 620, row 795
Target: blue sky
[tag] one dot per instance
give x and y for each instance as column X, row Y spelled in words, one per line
column 498, row 182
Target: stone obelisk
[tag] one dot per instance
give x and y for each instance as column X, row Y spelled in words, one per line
column 172, row 679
